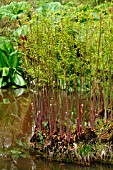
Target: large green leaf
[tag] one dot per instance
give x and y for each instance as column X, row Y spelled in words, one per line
column 18, row 80
column 4, row 58
column 8, row 47
column 4, row 83
column 5, row 71
column 1, row 79
column 1, row 60
column 14, row 59
column 9, row 64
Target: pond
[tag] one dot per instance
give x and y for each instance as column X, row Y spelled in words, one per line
column 16, row 128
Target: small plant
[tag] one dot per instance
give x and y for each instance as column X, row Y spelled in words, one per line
column 10, row 71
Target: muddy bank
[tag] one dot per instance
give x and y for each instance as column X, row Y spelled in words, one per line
column 91, row 146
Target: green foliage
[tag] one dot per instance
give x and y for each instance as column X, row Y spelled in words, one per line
column 53, row 7
column 64, row 42
column 85, row 149
column 10, row 71
column 14, row 10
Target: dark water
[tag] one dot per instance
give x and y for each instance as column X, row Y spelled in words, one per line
column 16, row 126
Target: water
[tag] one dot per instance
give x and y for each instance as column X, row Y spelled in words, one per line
column 16, row 125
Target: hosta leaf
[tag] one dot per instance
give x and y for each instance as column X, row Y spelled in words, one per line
column 10, row 47
column 5, row 60
column 6, row 45
column 1, row 79
column 9, row 80
column 1, row 59
column 4, row 83
column 5, row 49
column 18, row 80
column 5, row 71
column 14, row 59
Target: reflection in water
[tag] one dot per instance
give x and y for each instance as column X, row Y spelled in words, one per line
column 15, row 117
column 15, row 130
column 15, row 126
column 45, row 165
column 30, row 164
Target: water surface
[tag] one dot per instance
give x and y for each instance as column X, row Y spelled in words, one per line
column 16, row 126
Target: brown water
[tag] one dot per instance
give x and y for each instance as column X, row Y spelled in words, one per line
column 16, row 126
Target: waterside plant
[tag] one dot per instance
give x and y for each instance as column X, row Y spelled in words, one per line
column 67, row 51
column 69, row 55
